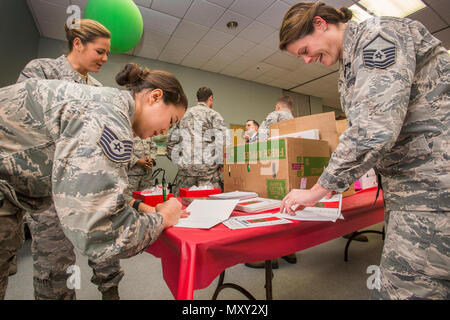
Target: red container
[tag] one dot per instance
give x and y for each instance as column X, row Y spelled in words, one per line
column 151, row 200
column 185, row 192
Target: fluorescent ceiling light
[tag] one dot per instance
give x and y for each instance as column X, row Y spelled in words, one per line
column 359, row 14
column 392, row 8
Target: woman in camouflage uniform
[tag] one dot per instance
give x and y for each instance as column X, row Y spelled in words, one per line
column 70, row 144
column 394, row 86
column 89, row 46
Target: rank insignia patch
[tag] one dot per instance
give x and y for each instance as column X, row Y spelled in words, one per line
column 115, row 149
column 379, row 53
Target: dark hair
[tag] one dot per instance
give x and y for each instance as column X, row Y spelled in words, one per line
column 88, row 31
column 254, row 122
column 298, row 20
column 203, row 94
column 137, row 79
column 286, row 101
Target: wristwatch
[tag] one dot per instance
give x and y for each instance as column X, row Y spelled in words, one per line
column 136, row 204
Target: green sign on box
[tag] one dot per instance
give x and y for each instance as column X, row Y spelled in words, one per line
column 260, row 151
column 311, row 166
column 276, row 189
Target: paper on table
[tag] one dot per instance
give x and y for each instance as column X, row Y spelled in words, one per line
column 254, row 220
column 206, row 214
column 329, row 210
column 242, row 195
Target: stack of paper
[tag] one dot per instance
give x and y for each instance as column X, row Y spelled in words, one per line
column 308, row 134
column 241, row 195
column 255, row 220
column 258, row 204
column 205, row 214
column 324, row 210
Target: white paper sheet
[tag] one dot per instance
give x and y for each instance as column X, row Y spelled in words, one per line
column 242, row 195
column 206, row 214
column 254, row 220
column 317, row 213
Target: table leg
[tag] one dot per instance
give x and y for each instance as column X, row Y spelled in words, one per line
column 356, row 233
column 221, row 286
column 269, row 275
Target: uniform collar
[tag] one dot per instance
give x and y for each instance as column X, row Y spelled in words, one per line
column 203, row 104
column 67, row 69
column 349, row 36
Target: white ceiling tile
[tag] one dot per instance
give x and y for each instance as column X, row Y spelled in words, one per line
column 239, row 46
column 441, row 7
column 273, row 16
column 213, row 66
column 256, row 32
column 177, row 8
column 158, row 21
column 260, row 52
column 204, row 13
column 251, row 8
column 247, row 75
column 155, row 39
column 272, row 40
column 63, row 3
column 232, row 70
column 190, row 31
column 276, row 72
column 265, row 78
column 216, row 38
column 228, row 16
column 283, row 60
column 429, row 19
column 338, row 3
column 281, row 83
column 50, row 13
column 199, row 55
column 143, row 3
column 147, row 51
column 222, row 3
column 52, row 30
column 175, row 50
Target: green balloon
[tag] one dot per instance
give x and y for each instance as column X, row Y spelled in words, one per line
column 122, row 18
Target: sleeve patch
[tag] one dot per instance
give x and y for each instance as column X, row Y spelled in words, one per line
column 115, row 149
column 379, row 53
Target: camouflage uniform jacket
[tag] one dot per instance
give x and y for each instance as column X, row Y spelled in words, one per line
column 274, row 117
column 58, row 69
column 193, row 144
column 142, row 148
column 72, row 143
column 394, row 86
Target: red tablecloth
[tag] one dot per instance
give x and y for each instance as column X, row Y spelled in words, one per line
column 192, row 258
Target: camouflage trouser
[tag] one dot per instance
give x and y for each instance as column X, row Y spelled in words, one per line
column 138, row 183
column 415, row 263
column 188, row 181
column 11, row 241
column 53, row 253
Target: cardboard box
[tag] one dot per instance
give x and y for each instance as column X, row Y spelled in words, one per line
column 272, row 168
column 324, row 122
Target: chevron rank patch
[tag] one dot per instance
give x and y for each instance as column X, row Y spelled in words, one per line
column 115, row 149
column 379, row 53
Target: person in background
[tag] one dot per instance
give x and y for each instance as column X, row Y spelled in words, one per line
column 196, row 144
column 283, row 111
column 142, row 162
column 70, row 145
column 395, row 91
column 89, row 45
column 251, row 131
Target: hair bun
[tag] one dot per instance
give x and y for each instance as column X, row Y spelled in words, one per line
column 130, row 75
column 346, row 14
